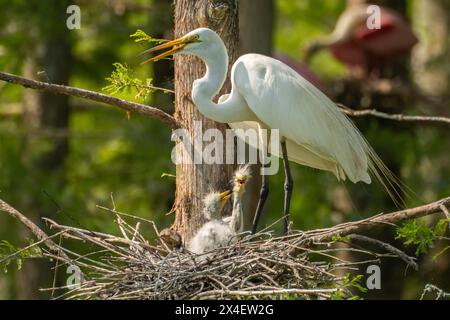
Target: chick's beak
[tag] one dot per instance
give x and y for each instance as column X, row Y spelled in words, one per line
column 176, row 45
column 224, row 197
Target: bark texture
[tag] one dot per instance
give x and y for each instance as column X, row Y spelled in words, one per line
column 194, row 181
column 431, row 58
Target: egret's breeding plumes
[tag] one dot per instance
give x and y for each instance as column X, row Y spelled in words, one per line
column 215, row 233
column 356, row 44
column 268, row 94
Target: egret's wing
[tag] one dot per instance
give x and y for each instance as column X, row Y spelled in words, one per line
column 282, row 99
column 297, row 153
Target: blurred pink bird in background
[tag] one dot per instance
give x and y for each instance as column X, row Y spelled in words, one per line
column 369, row 49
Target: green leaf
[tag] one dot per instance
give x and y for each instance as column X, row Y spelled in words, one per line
column 10, row 253
column 419, row 234
column 338, row 238
column 122, row 79
column 141, row 36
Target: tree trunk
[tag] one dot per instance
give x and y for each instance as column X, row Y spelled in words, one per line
column 256, row 19
column 194, row 181
column 431, row 63
column 431, row 70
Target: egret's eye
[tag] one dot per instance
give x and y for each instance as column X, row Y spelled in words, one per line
column 193, row 38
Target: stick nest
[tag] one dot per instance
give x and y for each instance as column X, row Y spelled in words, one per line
column 254, row 267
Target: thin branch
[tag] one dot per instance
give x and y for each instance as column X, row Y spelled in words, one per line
column 41, row 235
column 410, row 261
column 91, row 95
column 396, row 117
column 345, row 229
column 245, row 293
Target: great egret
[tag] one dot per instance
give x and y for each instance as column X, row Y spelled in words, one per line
column 215, row 233
column 268, row 94
column 301, row 68
column 355, row 44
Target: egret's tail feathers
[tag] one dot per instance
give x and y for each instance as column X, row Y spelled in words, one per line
column 394, row 187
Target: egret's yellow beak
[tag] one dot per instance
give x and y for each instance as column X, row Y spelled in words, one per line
column 224, row 197
column 176, row 45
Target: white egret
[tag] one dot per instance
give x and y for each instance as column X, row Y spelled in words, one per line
column 215, row 233
column 268, row 94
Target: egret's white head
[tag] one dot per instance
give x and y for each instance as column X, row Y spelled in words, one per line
column 214, row 203
column 199, row 42
column 240, row 179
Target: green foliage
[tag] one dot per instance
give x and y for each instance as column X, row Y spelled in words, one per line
column 122, row 79
column 414, row 232
column 167, row 175
column 344, row 292
column 141, row 36
column 338, row 238
column 9, row 254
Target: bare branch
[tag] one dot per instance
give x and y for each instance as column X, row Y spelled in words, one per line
column 345, row 229
column 410, row 261
column 91, row 95
column 214, row 294
column 41, row 235
column 396, row 117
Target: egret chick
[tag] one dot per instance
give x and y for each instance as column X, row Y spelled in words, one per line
column 241, row 177
column 215, row 233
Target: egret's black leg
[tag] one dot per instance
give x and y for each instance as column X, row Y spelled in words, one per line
column 288, row 186
column 264, row 192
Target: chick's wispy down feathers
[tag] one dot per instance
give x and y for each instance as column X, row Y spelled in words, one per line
column 215, row 233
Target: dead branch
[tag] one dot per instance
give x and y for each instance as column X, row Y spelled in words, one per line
column 41, row 235
column 345, row 229
column 236, row 293
column 395, row 117
column 91, row 95
column 410, row 261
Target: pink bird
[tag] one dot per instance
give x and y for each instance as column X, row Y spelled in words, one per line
column 301, row 68
column 355, row 44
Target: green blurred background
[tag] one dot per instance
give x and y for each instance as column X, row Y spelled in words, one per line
column 79, row 153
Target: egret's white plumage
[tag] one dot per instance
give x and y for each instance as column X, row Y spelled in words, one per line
column 215, row 233
column 270, row 94
column 267, row 93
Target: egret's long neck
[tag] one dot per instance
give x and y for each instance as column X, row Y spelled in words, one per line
column 205, row 89
column 237, row 219
column 216, row 73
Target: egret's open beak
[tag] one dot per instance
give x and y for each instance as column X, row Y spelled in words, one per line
column 240, row 181
column 176, row 45
column 224, row 197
